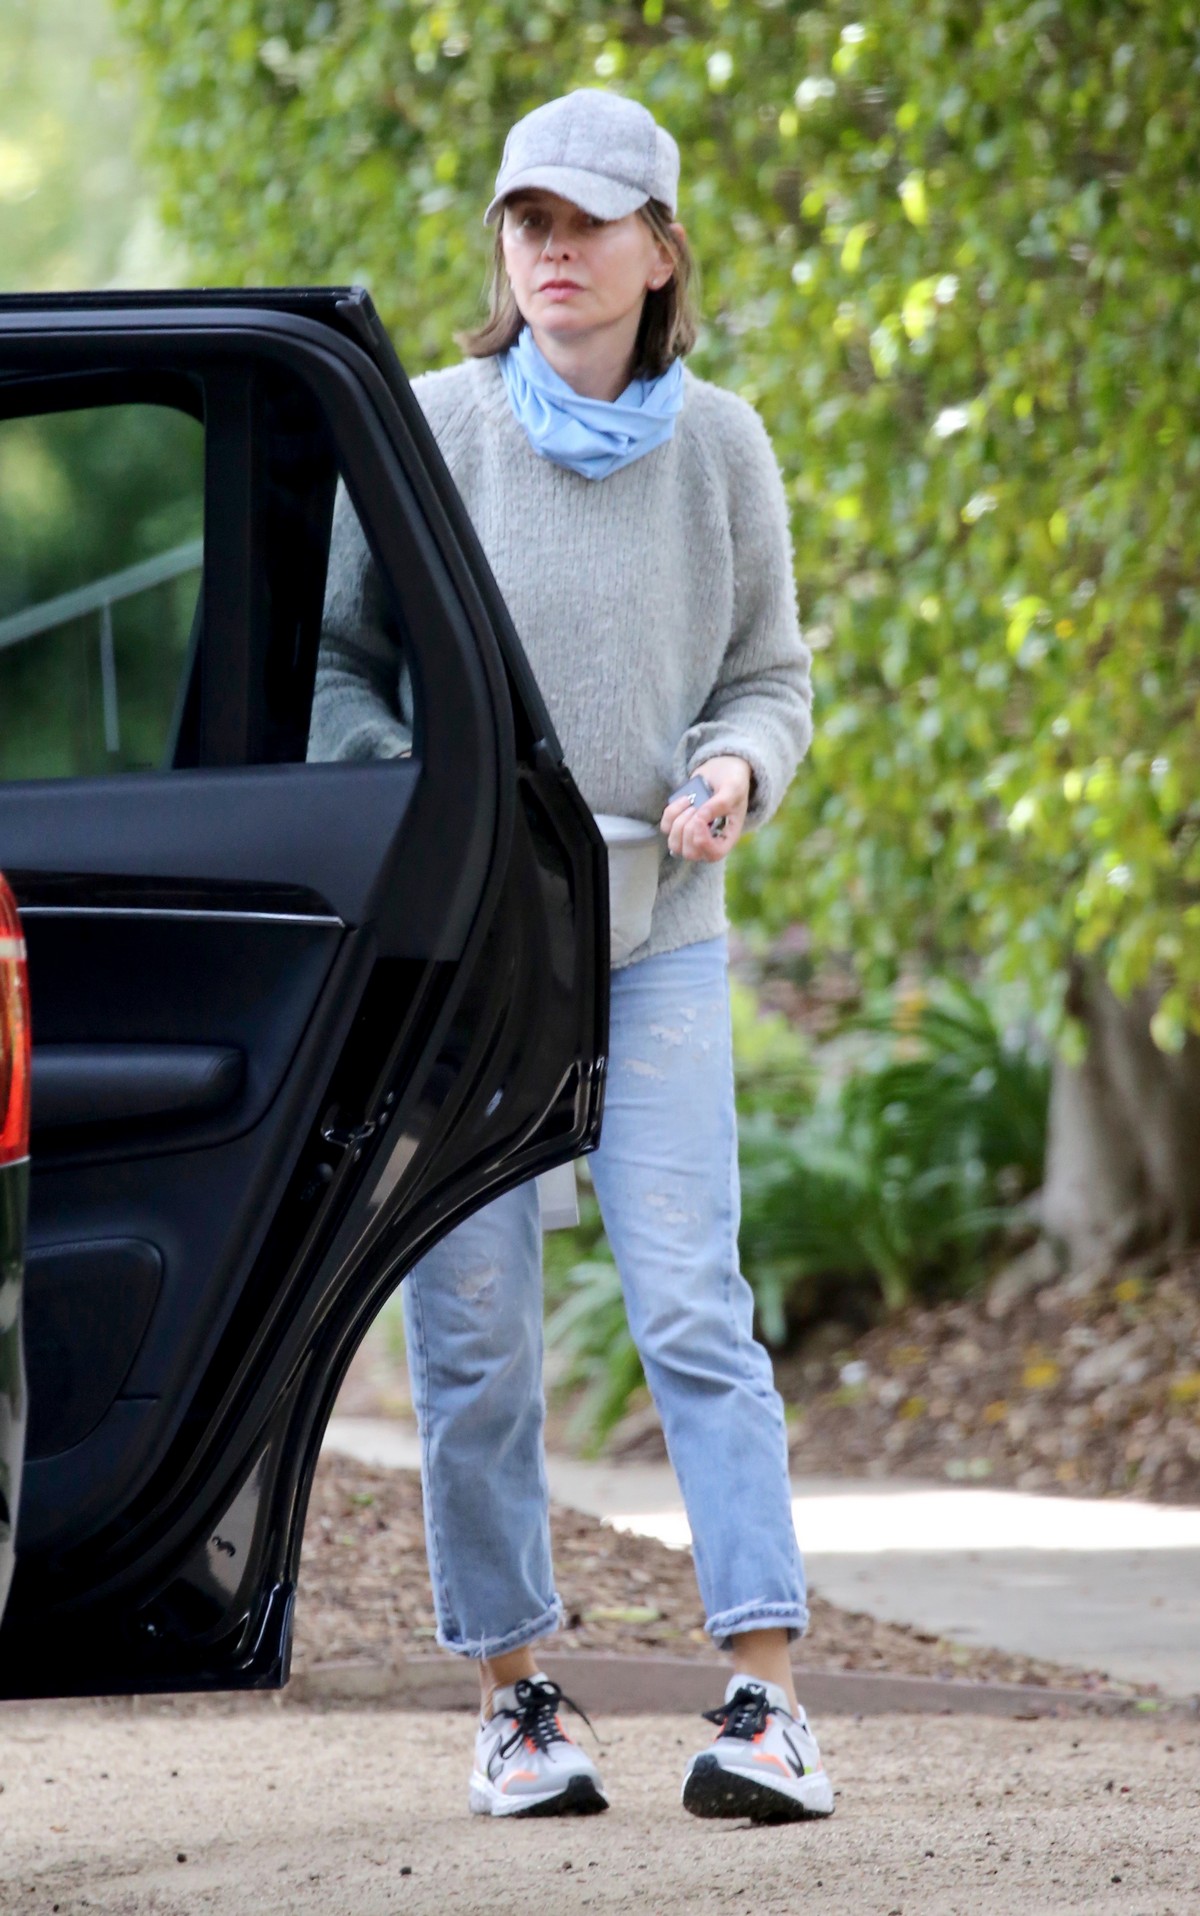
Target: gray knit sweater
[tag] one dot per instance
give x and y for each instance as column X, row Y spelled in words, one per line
column 657, row 607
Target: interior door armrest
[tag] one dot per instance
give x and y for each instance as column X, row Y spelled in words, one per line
column 114, row 1084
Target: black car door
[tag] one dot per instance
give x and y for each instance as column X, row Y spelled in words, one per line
column 291, row 1020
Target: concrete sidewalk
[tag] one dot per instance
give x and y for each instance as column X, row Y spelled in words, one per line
column 1101, row 1584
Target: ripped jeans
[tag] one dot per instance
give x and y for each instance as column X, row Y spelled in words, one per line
column 666, row 1176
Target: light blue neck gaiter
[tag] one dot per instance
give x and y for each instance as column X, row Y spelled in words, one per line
column 591, row 436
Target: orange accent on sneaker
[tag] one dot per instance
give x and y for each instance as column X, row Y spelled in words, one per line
column 519, row 1776
column 759, row 1758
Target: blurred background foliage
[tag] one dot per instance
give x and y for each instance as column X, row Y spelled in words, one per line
column 84, row 494
column 76, row 206
column 948, row 249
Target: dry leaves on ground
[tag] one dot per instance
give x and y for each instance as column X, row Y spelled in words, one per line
column 364, row 1594
column 1089, row 1385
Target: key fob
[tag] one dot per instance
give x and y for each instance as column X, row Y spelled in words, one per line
column 697, row 789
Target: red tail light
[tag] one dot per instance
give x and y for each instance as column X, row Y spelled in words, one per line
column 14, row 1033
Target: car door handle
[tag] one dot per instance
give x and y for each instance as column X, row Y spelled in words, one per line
column 94, row 1084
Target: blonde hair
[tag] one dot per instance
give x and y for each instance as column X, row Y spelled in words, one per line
column 670, row 314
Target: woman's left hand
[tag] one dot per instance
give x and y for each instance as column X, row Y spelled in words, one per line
column 688, row 826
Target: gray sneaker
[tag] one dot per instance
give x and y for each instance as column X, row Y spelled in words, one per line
column 763, row 1762
column 525, row 1763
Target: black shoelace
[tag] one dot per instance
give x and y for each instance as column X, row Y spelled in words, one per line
column 538, row 1704
column 744, row 1715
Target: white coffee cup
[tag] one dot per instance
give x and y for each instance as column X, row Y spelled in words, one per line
column 634, row 856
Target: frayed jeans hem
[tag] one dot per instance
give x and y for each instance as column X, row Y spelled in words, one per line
column 483, row 1649
column 792, row 1617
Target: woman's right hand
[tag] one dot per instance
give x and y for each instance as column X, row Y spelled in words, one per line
column 689, row 826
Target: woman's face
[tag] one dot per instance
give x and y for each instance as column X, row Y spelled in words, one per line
column 610, row 264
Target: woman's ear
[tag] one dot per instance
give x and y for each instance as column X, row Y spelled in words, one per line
column 662, row 278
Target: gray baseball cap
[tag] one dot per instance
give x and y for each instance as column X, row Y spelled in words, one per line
column 597, row 149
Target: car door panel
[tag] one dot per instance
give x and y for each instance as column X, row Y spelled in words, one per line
column 117, row 1086
column 117, row 984
column 92, row 1302
column 66, row 1494
column 237, row 827
column 204, row 1207
column 292, row 1020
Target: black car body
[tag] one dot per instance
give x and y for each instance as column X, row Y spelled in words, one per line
column 292, row 1021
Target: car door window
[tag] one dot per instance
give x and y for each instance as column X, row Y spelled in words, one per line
column 129, row 525
column 101, row 540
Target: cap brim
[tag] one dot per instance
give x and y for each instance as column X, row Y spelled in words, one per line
column 605, row 199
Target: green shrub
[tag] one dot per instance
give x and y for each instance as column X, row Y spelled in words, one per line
column 900, row 1176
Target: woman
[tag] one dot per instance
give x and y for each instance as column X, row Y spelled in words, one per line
column 635, row 520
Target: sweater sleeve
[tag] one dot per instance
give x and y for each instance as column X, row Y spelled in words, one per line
column 362, row 702
column 760, row 706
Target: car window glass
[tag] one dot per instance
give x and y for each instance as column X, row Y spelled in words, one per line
column 177, row 594
column 101, row 529
column 363, row 700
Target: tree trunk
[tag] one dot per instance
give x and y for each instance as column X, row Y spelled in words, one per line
column 1123, row 1152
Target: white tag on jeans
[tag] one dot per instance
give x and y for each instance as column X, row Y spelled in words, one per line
column 559, row 1198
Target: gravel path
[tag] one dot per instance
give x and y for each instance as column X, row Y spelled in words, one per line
column 252, row 1810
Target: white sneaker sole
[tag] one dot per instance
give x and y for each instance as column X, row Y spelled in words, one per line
column 579, row 1796
column 712, row 1788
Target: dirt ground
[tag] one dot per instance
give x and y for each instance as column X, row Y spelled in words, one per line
column 364, row 1595
column 257, row 1811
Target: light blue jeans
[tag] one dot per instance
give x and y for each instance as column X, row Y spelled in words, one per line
column 666, row 1176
